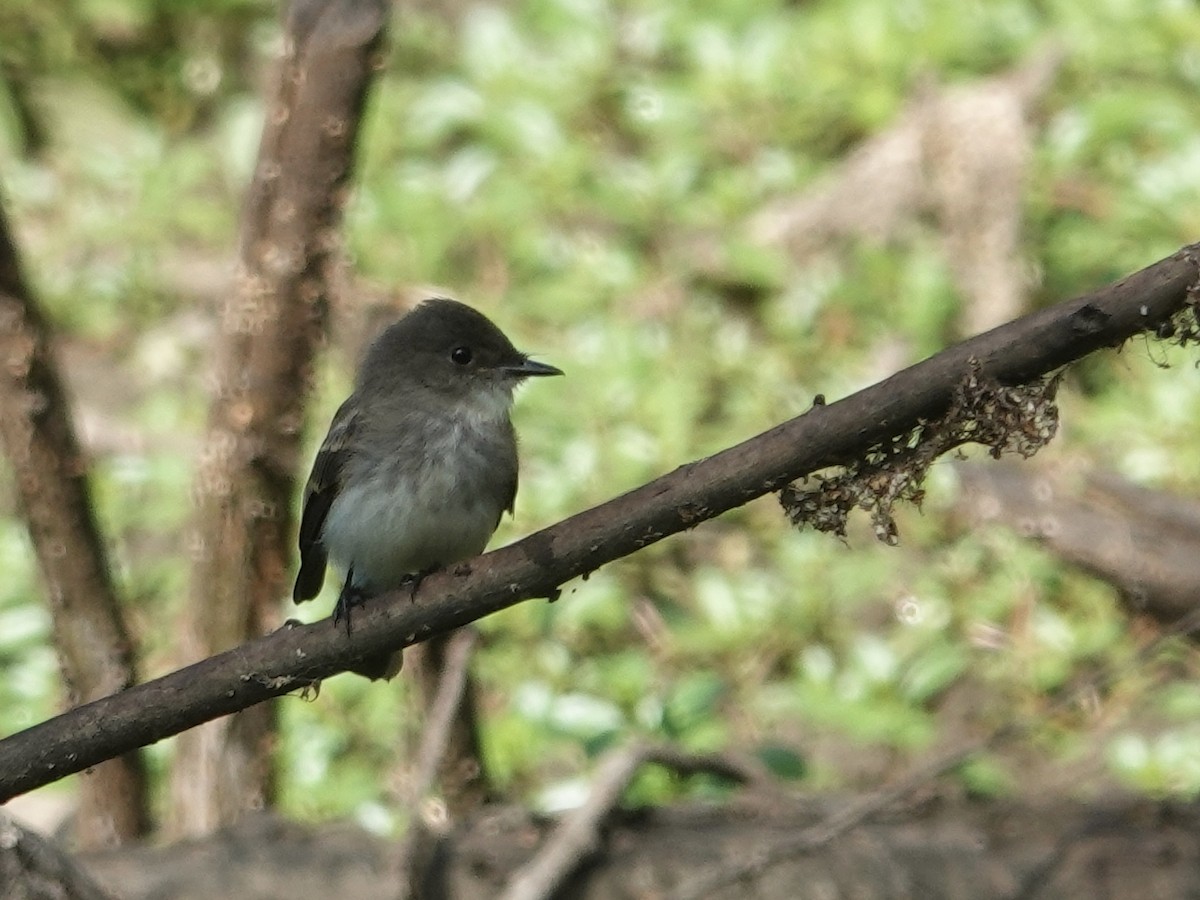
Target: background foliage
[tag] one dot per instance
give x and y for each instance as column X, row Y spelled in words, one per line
column 569, row 167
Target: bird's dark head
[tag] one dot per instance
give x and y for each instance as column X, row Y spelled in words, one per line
column 448, row 348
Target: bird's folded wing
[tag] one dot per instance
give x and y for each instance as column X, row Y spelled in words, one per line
column 323, row 485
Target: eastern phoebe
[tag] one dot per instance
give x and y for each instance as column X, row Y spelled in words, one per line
column 419, row 462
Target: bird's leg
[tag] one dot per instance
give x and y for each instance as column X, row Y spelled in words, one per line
column 351, row 596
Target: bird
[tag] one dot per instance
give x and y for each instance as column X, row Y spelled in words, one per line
column 419, row 463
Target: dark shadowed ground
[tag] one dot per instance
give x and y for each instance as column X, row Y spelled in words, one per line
column 941, row 849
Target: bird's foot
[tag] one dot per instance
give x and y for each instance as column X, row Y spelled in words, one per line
column 352, row 595
column 413, row 580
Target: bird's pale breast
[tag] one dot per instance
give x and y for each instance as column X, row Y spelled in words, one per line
column 415, row 509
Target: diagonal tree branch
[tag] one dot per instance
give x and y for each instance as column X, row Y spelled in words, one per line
column 34, row 868
column 827, row 435
column 580, row 834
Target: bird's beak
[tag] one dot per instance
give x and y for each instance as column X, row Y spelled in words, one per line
column 528, row 368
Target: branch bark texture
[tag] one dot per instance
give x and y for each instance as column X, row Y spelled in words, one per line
column 270, row 329
column 90, row 635
column 827, row 435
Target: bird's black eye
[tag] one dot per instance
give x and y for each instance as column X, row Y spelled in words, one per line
column 461, row 355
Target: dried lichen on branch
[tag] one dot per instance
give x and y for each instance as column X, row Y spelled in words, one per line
column 1183, row 328
column 1018, row 419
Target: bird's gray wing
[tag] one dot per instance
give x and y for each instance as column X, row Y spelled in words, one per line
column 323, row 485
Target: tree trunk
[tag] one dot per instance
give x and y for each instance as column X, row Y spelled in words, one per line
column 460, row 773
column 269, row 332
column 90, row 635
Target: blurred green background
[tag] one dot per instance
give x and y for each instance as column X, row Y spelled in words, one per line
column 582, row 171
